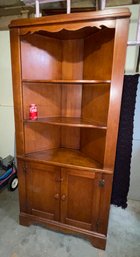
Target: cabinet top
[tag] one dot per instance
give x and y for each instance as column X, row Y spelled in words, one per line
column 72, row 17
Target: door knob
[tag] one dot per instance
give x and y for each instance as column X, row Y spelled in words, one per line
column 63, row 197
column 59, row 179
column 56, row 196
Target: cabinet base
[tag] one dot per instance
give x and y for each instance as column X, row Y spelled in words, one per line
column 96, row 239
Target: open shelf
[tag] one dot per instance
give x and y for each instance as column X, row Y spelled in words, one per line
column 69, row 121
column 65, row 157
column 67, row 81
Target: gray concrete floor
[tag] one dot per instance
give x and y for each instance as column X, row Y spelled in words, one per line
column 35, row 241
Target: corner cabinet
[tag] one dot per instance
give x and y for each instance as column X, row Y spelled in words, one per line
column 70, row 66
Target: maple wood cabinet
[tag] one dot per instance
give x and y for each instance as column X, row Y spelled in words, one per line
column 71, row 67
column 64, row 195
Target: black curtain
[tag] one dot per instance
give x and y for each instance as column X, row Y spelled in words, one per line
column 124, row 145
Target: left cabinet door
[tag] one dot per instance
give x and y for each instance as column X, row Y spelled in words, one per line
column 43, row 190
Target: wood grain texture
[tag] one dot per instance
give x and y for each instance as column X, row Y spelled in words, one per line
column 64, row 157
column 71, row 67
column 99, row 47
column 97, row 240
column 66, row 81
column 39, row 137
column 95, row 103
column 17, row 90
column 73, row 18
column 22, row 185
column 43, row 194
column 46, row 97
column 120, row 46
column 41, row 59
column 72, row 64
column 77, row 206
column 69, row 122
column 103, row 215
column 70, row 137
column 71, row 101
column 93, row 144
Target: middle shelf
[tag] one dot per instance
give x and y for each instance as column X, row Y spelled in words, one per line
column 69, row 121
column 68, row 81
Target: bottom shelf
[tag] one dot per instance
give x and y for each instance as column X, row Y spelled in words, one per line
column 65, row 158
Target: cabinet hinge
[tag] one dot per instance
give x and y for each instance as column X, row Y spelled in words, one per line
column 97, row 225
column 101, row 183
column 24, row 167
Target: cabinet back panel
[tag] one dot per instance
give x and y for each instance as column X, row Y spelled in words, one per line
column 98, row 55
column 72, row 68
column 95, row 102
column 72, row 59
column 39, row 137
column 93, row 143
column 41, row 57
column 46, row 97
column 70, row 137
column 71, row 100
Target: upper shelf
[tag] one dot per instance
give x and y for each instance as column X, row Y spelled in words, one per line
column 64, row 81
column 69, row 121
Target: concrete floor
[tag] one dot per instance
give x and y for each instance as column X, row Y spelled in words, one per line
column 35, row 241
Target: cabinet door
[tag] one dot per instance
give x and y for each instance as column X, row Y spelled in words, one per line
column 43, row 190
column 80, row 196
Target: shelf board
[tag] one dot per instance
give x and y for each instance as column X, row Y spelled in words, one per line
column 63, row 81
column 69, row 121
column 65, row 158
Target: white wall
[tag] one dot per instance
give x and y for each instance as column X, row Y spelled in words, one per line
column 130, row 67
column 6, row 98
column 134, row 191
column 132, row 51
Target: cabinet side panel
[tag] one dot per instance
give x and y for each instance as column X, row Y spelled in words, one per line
column 46, row 97
column 95, row 102
column 120, row 46
column 93, row 143
column 98, row 55
column 41, row 57
column 39, row 137
column 104, row 204
column 22, row 186
column 17, row 90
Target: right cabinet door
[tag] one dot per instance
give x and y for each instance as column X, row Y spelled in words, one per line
column 80, row 198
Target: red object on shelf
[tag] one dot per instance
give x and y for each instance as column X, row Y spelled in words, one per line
column 33, row 114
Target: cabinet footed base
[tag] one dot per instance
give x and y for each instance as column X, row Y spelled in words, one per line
column 96, row 239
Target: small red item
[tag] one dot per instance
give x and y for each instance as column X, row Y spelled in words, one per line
column 33, row 114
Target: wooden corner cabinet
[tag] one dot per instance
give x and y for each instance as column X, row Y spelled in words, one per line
column 70, row 66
